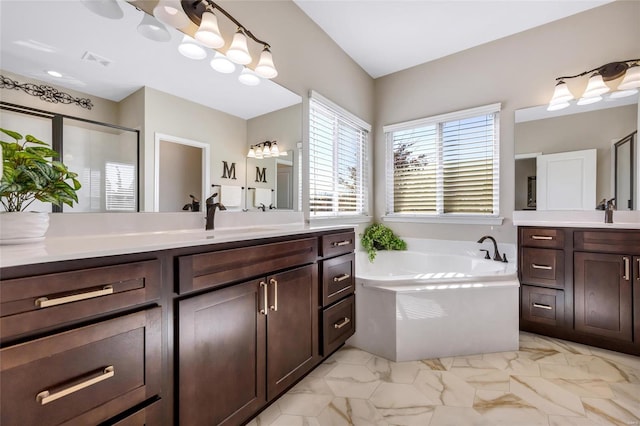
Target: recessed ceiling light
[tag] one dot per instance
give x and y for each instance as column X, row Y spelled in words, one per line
column 55, row 74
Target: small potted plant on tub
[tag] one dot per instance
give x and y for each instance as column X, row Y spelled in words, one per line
column 30, row 172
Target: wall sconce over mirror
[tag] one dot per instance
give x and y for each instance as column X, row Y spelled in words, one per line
column 602, row 80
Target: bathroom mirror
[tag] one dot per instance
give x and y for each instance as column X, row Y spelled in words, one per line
column 573, row 130
column 147, row 86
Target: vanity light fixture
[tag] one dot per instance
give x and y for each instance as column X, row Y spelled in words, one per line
column 265, row 149
column 170, row 12
column 598, row 85
column 204, row 13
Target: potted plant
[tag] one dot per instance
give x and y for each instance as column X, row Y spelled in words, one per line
column 380, row 237
column 30, row 172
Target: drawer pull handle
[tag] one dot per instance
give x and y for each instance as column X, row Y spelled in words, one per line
column 265, row 294
column 46, row 397
column 274, row 307
column 341, row 278
column 342, row 323
column 538, row 305
column 627, row 268
column 545, row 267
column 45, row 302
column 341, row 243
column 541, row 237
column 638, row 277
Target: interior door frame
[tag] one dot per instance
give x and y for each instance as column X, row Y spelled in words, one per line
column 206, row 165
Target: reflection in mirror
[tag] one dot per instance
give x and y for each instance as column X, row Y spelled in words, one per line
column 574, row 130
column 270, row 182
column 137, row 87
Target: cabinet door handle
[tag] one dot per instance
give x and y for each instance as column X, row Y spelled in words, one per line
column 545, row 267
column 274, row 307
column 265, row 298
column 638, row 271
column 541, row 237
column 341, row 278
column 45, row 302
column 342, row 323
column 627, row 267
column 46, row 396
column 341, row 243
column 541, row 306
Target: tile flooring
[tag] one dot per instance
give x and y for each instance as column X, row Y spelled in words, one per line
column 547, row 382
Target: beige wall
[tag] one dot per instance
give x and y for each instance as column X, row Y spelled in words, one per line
column 518, row 71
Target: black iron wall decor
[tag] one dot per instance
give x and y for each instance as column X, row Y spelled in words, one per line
column 228, row 172
column 44, row 92
column 261, row 174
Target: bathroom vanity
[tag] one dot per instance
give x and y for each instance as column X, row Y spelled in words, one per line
column 581, row 283
column 189, row 328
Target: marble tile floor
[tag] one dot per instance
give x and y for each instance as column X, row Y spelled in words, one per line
column 547, row 382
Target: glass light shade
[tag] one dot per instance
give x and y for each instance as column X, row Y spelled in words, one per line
column 208, row 33
column 266, row 151
column 589, row 100
column 152, row 29
column 191, row 49
column 171, row 13
column 105, row 8
column 265, row 67
column 595, row 87
column 561, row 93
column 238, row 51
column 558, row 106
column 248, row 77
column 222, row 64
column 259, row 153
column 623, row 93
column 274, row 149
column 251, row 153
column 631, row 79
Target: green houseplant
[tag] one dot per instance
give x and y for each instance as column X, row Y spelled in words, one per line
column 30, row 172
column 380, row 237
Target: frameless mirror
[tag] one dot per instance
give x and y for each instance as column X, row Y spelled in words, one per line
column 271, row 182
column 147, row 86
column 563, row 138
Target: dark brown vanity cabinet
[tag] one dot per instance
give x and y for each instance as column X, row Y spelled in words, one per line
column 581, row 285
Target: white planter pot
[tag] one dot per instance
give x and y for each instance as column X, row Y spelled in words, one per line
column 23, row 227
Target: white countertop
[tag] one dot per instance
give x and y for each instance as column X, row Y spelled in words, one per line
column 54, row 249
column 577, row 219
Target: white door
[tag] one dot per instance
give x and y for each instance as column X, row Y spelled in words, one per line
column 566, row 181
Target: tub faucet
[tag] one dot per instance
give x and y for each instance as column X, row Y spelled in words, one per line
column 496, row 253
column 211, row 210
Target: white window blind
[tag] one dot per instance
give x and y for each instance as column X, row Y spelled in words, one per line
column 120, row 186
column 337, row 160
column 445, row 165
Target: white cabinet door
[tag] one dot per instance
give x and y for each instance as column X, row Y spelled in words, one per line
column 566, row 181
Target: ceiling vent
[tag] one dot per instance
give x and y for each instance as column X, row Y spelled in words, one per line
column 94, row 57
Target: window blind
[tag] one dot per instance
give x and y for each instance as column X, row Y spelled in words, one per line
column 337, row 160
column 120, row 184
column 445, row 165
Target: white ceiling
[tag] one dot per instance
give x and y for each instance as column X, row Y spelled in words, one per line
column 385, row 36
column 41, row 35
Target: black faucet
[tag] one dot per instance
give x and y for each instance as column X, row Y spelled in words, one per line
column 211, row 210
column 496, row 253
column 262, row 207
column 608, row 211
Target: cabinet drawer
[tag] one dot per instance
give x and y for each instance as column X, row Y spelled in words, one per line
column 338, row 278
column 626, row 241
column 542, row 237
column 148, row 416
column 44, row 301
column 338, row 324
column 83, row 376
column 210, row 270
column 335, row 244
column 542, row 266
column 542, row 305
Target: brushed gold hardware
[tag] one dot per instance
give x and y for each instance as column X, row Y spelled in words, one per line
column 545, row 267
column 45, row 302
column 541, row 237
column 538, row 305
column 46, row 397
column 274, row 307
column 264, row 311
column 341, row 278
column 344, row 322
column 627, row 267
column 341, row 243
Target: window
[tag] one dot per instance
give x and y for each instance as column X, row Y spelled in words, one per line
column 445, row 165
column 120, row 187
column 337, row 160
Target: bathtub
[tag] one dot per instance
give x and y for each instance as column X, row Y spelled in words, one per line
column 413, row 305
